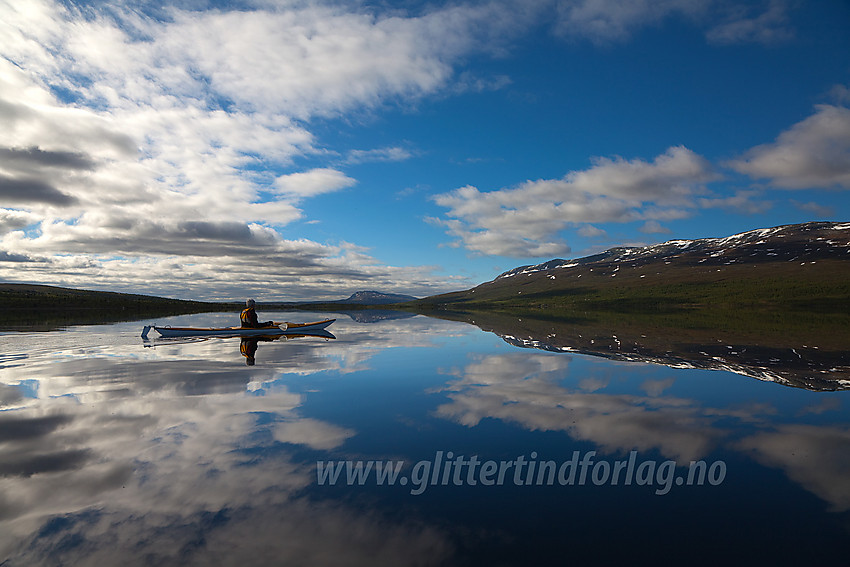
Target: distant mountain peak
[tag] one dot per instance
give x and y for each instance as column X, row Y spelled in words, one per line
column 371, row 297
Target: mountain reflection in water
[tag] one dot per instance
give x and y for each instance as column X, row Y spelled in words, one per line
column 805, row 365
column 181, row 454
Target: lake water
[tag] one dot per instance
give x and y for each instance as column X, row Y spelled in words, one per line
column 412, row 441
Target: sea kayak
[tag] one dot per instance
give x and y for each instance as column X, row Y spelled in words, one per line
column 278, row 329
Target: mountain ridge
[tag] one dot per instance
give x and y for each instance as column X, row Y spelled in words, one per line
column 789, row 258
column 371, row 297
column 811, row 355
column 629, row 253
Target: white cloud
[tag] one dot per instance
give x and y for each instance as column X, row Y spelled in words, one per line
column 653, row 227
column 313, row 182
column 526, row 220
column 206, row 268
column 11, row 219
column 316, row 60
column 670, row 176
column 167, row 131
column 814, row 153
column 590, row 231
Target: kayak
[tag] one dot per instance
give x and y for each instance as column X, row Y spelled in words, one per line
column 278, row 329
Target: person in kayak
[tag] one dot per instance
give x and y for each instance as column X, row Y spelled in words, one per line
column 249, row 317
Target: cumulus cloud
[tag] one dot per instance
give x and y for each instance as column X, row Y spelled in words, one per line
column 171, row 135
column 27, row 158
column 211, row 269
column 31, row 190
column 526, row 220
column 814, row 153
column 141, row 141
column 654, row 227
column 590, row 231
column 313, row 182
column 329, row 59
column 12, row 257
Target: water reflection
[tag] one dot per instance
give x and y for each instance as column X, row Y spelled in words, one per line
column 529, row 390
column 181, row 454
column 818, row 458
column 526, row 390
column 819, row 363
column 176, row 455
column 248, row 345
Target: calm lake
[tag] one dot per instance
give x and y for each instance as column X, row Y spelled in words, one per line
column 407, row 441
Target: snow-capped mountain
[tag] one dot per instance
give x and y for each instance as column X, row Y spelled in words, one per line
column 376, row 298
column 795, row 242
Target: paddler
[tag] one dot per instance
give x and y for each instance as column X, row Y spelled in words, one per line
column 249, row 317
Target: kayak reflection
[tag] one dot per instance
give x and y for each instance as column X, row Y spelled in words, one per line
column 248, row 345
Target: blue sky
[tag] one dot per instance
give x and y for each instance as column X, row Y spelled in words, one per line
column 309, row 149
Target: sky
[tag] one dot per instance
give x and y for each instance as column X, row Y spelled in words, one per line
column 307, row 149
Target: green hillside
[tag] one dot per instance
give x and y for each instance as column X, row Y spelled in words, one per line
column 800, row 268
column 42, row 305
column 822, row 287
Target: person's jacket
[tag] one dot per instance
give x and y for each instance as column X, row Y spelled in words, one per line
column 249, row 318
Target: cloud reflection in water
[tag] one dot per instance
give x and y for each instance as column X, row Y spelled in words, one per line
column 182, row 455
column 113, row 453
column 533, row 391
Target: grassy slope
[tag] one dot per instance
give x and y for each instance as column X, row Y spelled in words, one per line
column 779, row 302
column 647, row 287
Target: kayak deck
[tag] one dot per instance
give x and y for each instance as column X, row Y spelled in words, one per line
column 280, row 329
